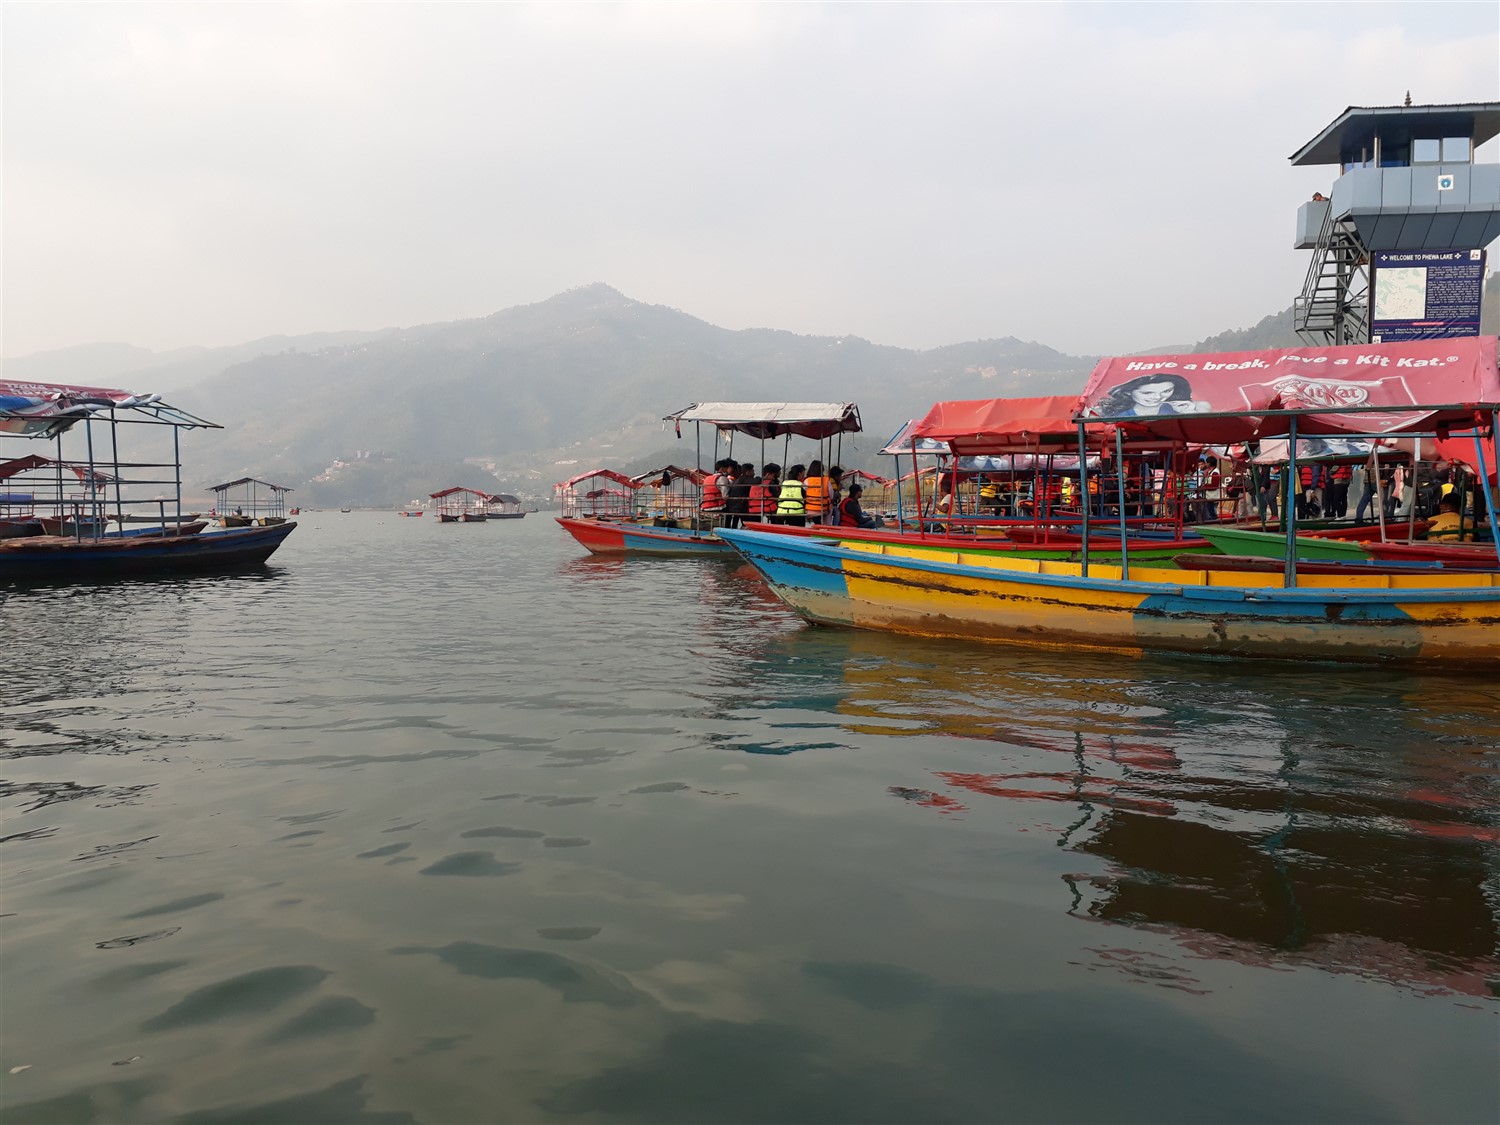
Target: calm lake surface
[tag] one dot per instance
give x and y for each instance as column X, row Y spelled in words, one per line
column 452, row 823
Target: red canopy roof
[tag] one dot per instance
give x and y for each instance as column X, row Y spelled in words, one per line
column 1006, row 425
column 1354, row 389
column 457, row 489
column 618, row 478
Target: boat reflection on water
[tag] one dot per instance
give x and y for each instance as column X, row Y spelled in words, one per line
column 1343, row 822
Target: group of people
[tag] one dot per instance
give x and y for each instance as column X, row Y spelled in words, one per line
column 736, row 494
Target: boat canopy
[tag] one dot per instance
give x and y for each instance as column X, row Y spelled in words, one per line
column 47, row 409
column 502, row 498
column 1412, row 386
column 19, row 465
column 900, row 444
column 250, row 480
column 982, row 427
column 454, row 491
column 815, row 420
column 1333, row 450
column 1459, row 448
column 852, row 475
column 666, row 475
column 618, row 478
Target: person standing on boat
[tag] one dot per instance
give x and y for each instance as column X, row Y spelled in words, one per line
column 815, row 493
column 770, row 492
column 715, row 485
column 835, row 492
column 737, row 499
column 1267, row 485
column 790, row 506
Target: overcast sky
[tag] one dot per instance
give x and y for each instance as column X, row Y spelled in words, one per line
column 1102, row 178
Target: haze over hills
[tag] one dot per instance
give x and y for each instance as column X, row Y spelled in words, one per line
column 531, row 394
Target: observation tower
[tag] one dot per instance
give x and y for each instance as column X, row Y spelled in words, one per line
column 1398, row 244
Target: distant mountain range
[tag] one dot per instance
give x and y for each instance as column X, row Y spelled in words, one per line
column 532, row 394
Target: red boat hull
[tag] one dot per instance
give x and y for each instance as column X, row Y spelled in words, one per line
column 1477, row 556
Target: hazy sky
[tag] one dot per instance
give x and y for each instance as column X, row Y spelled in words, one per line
column 1097, row 177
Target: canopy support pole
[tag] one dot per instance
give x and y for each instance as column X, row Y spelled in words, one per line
column 1124, row 542
column 1289, row 515
column 1484, row 480
column 1083, row 487
column 1411, row 514
column 1379, row 489
column 916, row 480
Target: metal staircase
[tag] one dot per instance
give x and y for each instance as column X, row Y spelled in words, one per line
column 1334, row 307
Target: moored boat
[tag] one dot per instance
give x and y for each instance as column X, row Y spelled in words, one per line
column 67, row 558
column 1375, row 618
column 1272, row 544
column 622, row 537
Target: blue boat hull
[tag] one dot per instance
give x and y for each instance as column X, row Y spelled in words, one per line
column 51, row 558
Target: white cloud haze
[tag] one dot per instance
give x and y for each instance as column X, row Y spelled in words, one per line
column 1098, row 177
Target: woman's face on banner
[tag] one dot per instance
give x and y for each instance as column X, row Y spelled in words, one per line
column 1149, row 398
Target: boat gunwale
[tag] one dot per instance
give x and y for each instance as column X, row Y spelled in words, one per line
column 876, row 553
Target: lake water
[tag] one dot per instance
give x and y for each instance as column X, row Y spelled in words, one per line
column 452, row 823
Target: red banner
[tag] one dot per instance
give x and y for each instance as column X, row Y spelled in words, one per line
column 1376, row 389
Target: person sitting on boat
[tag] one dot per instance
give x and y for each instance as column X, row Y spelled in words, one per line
column 790, row 508
column 1448, row 523
column 851, row 514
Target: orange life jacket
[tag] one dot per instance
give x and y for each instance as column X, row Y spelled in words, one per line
column 815, row 494
column 713, row 499
column 760, row 500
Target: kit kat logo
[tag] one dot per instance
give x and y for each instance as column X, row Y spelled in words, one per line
column 1300, row 392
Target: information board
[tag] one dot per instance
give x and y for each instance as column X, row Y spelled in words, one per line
column 1426, row 294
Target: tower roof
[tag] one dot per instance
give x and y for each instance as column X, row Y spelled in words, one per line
column 1356, row 127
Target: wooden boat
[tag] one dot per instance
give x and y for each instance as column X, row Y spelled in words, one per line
column 1262, row 565
column 1069, row 549
column 448, row 517
column 620, row 537
column 64, row 558
column 1376, row 618
column 1364, row 533
column 236, row 521
column 15, row 528
column 158, row 532
column 416, row 512
column 474, row 517
column 1463, row 556
column 1272, row 544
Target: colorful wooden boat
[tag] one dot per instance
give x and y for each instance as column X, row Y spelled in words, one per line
column 1262, row 565
column 1272, row 544
column 63, row 558
column 1376, row 618
column 1148, row 554
column 1464, row 556
column 621, row 537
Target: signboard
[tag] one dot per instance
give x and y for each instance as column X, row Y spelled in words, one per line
column 1426, row 294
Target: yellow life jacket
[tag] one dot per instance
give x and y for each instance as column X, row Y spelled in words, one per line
column 790, row 503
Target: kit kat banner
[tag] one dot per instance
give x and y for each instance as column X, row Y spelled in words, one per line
column 1374, row 388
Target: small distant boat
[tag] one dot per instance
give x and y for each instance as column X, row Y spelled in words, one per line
column 414, row 512
column 461, row 505
column 346, row 509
